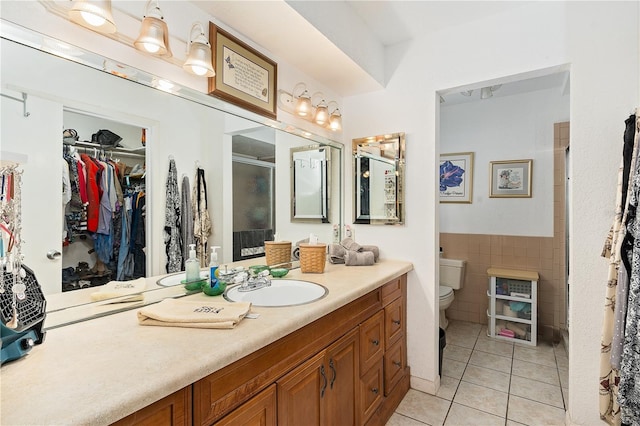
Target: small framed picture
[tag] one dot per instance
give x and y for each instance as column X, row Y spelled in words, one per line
column 456, row 177
column 510, row 179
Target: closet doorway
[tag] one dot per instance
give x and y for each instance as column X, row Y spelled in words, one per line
column 104, row 222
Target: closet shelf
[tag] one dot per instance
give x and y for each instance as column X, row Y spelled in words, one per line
column 132, row 152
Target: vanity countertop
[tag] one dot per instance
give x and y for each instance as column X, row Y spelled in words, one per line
column 101, row 370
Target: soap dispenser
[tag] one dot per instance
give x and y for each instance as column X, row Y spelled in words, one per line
column 214, row 287
column 192, row 265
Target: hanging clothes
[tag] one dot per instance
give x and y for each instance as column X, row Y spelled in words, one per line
column 186, row 219
column 629, row 390
column 621, row 246
column 201, row 220
column 93, row 192
column 172, row 221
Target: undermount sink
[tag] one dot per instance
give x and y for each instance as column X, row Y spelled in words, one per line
column 279, row 293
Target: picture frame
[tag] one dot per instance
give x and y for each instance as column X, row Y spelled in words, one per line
column 244, row 76
column 510, row 179
column 456, row 177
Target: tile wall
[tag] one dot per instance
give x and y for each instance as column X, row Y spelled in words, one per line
column 546, row 255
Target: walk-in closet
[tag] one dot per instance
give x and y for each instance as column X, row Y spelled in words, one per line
column 103, row 195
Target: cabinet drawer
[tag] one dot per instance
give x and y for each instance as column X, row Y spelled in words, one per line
column 393, row 322
column 371, row 341
column 394, row 365
column 391, row 291
column 371, row 391
column 258, row 411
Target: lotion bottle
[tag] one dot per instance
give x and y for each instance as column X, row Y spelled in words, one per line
column 192, row 266
column 213, row 266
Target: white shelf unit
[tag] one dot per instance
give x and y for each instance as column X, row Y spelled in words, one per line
column 507, row 286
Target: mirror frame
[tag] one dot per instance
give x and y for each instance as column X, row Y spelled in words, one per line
column 394, row 191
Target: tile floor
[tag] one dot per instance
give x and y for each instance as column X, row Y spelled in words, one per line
column 489, row 382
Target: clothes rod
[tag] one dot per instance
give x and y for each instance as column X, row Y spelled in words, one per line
column 126, row 152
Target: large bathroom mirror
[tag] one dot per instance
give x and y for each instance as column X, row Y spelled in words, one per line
column 196, row 131
column 378, row 173
column 311, row 183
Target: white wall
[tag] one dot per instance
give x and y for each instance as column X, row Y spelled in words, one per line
column 504, row 128
column 600, row 42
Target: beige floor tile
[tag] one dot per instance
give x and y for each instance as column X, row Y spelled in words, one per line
column 460, row 415
column 465, row 326
column 486, row 377
column 482, row 398
column 400, row 420
column 562, row 361
column 452, row 368
column 424, row 407
column 564, row 377
column 537, row 391
column 466, row 340
column 494, row 347
column 534, row 413
column 512, row 423
column 457, row 353
column 542, row 346
column 532, row 355
column 495, row 362
column 537, row 372
column 565, row 396
column 448, row 387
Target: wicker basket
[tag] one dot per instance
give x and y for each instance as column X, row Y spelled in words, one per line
column 313, row 257
column 278, row 253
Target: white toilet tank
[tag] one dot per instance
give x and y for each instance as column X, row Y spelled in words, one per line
column 452, row 273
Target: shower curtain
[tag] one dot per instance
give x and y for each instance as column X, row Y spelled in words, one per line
column 619, row 387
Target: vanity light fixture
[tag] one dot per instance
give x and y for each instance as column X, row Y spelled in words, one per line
column 198, row 53
column 321, row 116
column 154, row 34
column 303, row 104
column 299, row 102
column 93, row 14
column 335, row 120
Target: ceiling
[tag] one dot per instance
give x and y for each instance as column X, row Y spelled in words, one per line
column 338, row 30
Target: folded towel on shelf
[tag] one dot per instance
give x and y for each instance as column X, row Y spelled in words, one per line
column 349, row 244
column 336, row 253
column 354, row 258
column 373, row 249
column 121, row 291
column 194, row 314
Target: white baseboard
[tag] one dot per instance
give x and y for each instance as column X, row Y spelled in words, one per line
column 425, row 386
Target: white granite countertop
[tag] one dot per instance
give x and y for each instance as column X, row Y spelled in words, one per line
column 99, row 371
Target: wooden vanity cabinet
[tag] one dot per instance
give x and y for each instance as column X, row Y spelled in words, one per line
column 323, row 390
column 346, row 368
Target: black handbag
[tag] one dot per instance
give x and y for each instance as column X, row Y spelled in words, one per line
column 106, row 138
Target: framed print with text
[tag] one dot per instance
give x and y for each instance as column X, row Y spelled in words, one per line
column 456, row 177
column 510, row 178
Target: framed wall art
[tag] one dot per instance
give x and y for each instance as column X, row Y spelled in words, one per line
column 510, row 178
column 244, row 76
column 456, row 177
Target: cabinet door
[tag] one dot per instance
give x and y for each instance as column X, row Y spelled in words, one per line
column 258, row 411
column 300, row 393
column 343, row 361
column 371, row 391
column 173, row 410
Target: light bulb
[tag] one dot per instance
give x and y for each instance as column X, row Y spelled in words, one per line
column 151, row 48
column 93, row 19
column 197, row 70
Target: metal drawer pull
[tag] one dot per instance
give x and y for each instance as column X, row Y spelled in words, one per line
column 375, row 342
column 375, row 390
column 335, row 374
column 397, row 364
column 324, row 386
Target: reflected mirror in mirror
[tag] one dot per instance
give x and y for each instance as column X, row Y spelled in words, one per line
column 190, row 126
column 310, row 183
column 378, row 171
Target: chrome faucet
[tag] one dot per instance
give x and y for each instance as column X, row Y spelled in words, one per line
column 252, row 282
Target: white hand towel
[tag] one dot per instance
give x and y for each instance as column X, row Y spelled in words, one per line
column 186, row 313
column 117, row 289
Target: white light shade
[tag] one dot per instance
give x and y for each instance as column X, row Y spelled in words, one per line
column 94, row 14
column 335, row 121
column 322, row 114
column 303, row 106
column 198, row 53
column 154, row 37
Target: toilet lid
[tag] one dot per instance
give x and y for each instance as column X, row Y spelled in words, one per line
column 445, row 291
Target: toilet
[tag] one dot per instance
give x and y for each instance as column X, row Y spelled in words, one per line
column 451, row 278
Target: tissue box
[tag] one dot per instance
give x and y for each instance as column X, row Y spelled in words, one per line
column 278, row 252
column 313, row 257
